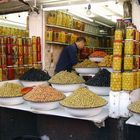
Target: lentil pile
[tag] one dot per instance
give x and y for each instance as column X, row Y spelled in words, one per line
column 83, row 98
column 86, row 64
column 35, row 75
column 101, row 79
column 10, row 90
column 43, row 94
column 107, row 61
column 65, row 77
column 135, row 107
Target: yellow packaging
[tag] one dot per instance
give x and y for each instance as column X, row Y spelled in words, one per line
column 116, row 81
column 128, row 63
column 59, row 18
column 129, row 48
column 49, row 35
column 128, row 81
column 118, row 34
column 130, row 33
column 63, row 37
column 137, row 36
column 117, row 48
column 117, row 63
column 64, row 19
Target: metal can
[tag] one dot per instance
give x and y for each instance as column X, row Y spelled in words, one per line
column 34, row 48
column 38, row 46
column 23, row 41
column 129, row 48
column 3, row 49
column 1, row 40
column 9, row 49
column 130, row 33
column 128, row 62
column 117, row 48
column 15, row 50
column 128, row 81
column 10, row 73
column 10, row 60
column 25, row 60
column 20, row 50
column 30, row 50
column 0, row 74
column 19, row 41
column 25, row 50
column 38, row 56
column 3, row 63
column 137, row 36
column 117, row 63
column 30, row 59
column 4, row 74
column 29, row 43
column 34, row 57
column 33, row 39
column 8, row 40
column 118, row 34
column 38, row 40
column 20, row 60
column 116, row 81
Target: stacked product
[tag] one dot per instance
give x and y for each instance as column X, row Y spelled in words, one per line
column 125, row 65
column 16, row 56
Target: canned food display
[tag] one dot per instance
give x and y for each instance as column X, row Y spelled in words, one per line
column 118, row 34
column 20, row 50
column 129, row 48
column 34, row 40
column 39, row 56
column 10, row 60
column 0, row 74
column 117, row 48
column 117, row 63
column 34, row 47
column 137, row 36
column 128, row 81
column 128, row 62
column 130, row 33
column 20, row 60
column 19, row 41
column 116, row 81
column 30, row 59
column 10, row 73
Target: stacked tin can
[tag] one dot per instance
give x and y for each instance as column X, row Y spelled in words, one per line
column 126, row 60
column 36, row 44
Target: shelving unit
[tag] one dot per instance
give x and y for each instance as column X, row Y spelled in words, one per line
column 56, row 43
column 74, row 30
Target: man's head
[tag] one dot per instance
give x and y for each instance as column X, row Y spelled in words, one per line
column 80, row 42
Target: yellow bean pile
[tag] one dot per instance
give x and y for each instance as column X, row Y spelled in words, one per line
column 83, row 98
column 65, row 77
column 135, row 107
column 10, row 90
column 107, row 61
column 43, row 94
column 86, row 64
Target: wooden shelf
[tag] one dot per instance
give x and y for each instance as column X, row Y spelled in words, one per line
column 56, row 43
column 74, row 30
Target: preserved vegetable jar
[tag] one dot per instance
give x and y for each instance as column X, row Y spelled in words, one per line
column 128, row 63
column 116, row 81
column 129, row 48
column 128, row 81
column 118, row 34
column 137, row 36
column 117, row 63
column 130, row 33
column 10, row 73
column 117, row 48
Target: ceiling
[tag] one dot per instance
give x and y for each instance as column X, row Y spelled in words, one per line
column 105, row 11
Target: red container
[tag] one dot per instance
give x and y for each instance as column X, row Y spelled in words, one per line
column 38, row 46
column 8, row 40
column 25, row 50
column 20, row 60
column 39, row 56
column 4, row 64
column 9, row 49
column 20, row 50
column 10, row 73
column 1, row 40
column 38, row 40
column 10, row 60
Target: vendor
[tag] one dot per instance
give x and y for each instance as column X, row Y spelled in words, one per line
column 68, row 57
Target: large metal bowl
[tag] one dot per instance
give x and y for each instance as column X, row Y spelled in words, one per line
column 66, row 88
column 86, row 70
column 104, row 91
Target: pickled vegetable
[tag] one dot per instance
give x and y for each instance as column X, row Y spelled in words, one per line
column 65, row 77
column 117, row 48
column 128, row 63
column 118, row 34
column 107, row 61
column 116, row 81
column 83, row 98
column 129, row 48
column 117, row 63
column 128, row 81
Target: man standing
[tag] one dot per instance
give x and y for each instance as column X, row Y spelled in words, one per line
column 68, row 57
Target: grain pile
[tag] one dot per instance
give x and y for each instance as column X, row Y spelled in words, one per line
column 135, row 107
column 83, row 98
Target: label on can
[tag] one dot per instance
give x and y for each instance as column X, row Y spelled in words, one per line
column 10, row 60
column 38, row 46
column 129, row 48
column 128, row 81
column 25, row 50
column 30, row 59
column 33, row 39
column 20, row 50
column 38, row 56
column 30, row 50
column 116, row 81
column 117, row 63
column 10, row 73
column 118, row 34
column 19, row 41
column 34, row 48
